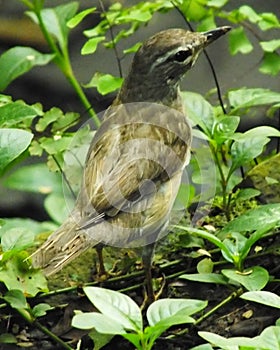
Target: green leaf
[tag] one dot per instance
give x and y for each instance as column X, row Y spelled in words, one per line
column 56, row 19
column 216, row 3
column 19, row 60
column 16, row 299
column 269, row 339
column 102, row 323
column 248, row 13
column 17, row 238
column 105, row 83
column 74, row 21
column 271, row 45
column 40, row 309
column 268, row 20
column 205, row 266
column 225, row 128
column 259, row 218
column 91, row 45
column 133, row 48
column 165, row 313
column 58, row 206
column 206, row 278
column 247, row 98
column 28, row 224
column 246, row 193
column 116, row 306
column 29, row 281
column 196, row 106
column 263, row 297
column 250, row 144
column 206, row 235
column 253, row 278
column 8, row 338
column 270, row 63
column 12, row 113
column 13, row 142
column 239, row 42
column 35, row 178
column 99, row 339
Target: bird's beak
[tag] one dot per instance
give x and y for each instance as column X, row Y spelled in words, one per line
column 214, row 34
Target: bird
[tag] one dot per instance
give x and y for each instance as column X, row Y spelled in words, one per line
column 136, row 158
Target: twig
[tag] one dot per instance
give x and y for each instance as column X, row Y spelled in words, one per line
column 112, row 38
column 208, row 60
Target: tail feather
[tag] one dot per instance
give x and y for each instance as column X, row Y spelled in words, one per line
column 63, row 245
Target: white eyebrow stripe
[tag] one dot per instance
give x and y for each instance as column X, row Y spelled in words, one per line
column 171, row 53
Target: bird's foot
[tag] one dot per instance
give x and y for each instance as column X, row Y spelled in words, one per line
column 150, row 295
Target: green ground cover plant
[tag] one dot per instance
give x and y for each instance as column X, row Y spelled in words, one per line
column 31, row 132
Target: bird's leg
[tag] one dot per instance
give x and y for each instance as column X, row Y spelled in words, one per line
column 99, row 251
column 147, row 257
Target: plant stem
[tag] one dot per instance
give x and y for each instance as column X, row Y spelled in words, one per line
column 232, row 296
column 62, row 60
column 27, row 317
column 223, row 182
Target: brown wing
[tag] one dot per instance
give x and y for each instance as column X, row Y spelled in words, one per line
column 134, row 144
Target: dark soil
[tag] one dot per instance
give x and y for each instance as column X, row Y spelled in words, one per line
column 236, row 318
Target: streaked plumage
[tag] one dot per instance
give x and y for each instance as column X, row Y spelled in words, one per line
column 136, row 158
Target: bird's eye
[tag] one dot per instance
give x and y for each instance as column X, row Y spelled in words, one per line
column 182, row 55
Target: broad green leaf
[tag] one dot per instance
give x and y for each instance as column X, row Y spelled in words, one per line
column 168, row 312
column 205, row 265
column 17, row 238
column 29, row 281
column 246, row 193
column 250, row 144
column 102, row 323
column 19, row 60
column 105, row 83
column 35, row 178
column 206, row 235
column 8, row 338
column 270, row 63
column 133, row 48
column 40, row 309
column 225, row 128
column 269, row 339
column 13, row 142
column 247, row 98
column 231, row 343
column 253, row 278
column 12, row 113
column 271, row 45
column 206, row 278
column 249, row 13
column 263, row 297
column 58, row 206
column 28, row 224
column 235, row 243
column 196, row 107
column 91, row 45
column 239, row 42
column 255, row 219
column 268, row 20
column 16, row 299
column 216, row 3
column 100, row 339
column 116, row 306
column 55, row 19
column 74, row 21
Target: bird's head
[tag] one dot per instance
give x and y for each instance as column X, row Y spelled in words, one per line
column 169, row 54
column 162, row 60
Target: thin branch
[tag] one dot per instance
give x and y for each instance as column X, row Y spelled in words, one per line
column 208, row 60
column 112, row 38
column 64, row 176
